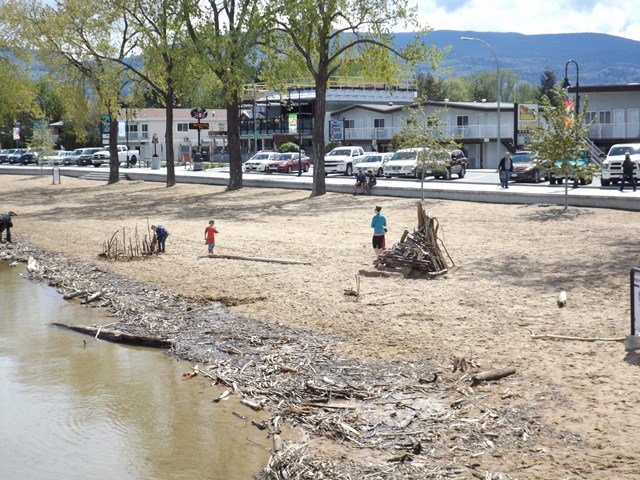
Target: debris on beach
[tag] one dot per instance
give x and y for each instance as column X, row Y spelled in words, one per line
column 421, row 250
column 121, row 246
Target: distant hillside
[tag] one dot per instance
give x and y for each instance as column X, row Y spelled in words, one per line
column 603, row 59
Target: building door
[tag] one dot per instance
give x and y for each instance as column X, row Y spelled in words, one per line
column 634, row 123
column 618, row 123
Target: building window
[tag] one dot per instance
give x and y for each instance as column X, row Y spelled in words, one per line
column 462, row 120
column 144, row 127
column 133, row 127
column 349, row 124
column 605, row 116
column 378, row 123
column 592, row 117
column 183, row 127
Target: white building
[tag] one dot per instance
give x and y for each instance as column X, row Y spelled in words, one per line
column 613, row 112
column 137, row 127
column 272, row 109
column 473, row 124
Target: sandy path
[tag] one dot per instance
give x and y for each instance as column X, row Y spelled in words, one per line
column 513, row 261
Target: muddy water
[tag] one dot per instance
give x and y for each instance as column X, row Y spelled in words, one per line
column 75, row 411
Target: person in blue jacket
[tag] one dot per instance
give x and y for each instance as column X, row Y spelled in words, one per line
column 160, row 234
column 379, row 225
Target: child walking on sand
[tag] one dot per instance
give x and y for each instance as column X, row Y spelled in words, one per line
column 210, row 236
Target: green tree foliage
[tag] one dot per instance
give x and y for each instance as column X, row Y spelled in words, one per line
column 226, row 34
column 323, row 39
column 424, row 131
column 431, row 87
column 559, row 142
column 75, row 39
column 167, row 66
column 548, row 88
column 289, row 147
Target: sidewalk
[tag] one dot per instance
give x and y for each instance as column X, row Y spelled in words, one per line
column 518, row 193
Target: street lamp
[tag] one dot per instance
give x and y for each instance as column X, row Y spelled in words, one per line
column 498, row 90
column 566, row 84
column 298, row 125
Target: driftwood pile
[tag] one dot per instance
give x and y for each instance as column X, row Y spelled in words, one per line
column 123, row 246
column 421, row 250
column 409, row 419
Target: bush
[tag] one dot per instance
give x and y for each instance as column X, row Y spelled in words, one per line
column 289, row 147
column 331, row 145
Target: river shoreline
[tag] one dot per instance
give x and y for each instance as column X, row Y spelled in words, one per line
column 393, row 410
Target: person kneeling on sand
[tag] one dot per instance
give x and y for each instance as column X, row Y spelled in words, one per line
column 6, row 224
column 210, row 236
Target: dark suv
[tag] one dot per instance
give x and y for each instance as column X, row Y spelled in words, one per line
column 455, row 165
column 87, row 156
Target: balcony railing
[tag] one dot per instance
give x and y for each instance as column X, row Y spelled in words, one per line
column 274, row 125
column 135, row 136
column 468, row 131
column 614, row 130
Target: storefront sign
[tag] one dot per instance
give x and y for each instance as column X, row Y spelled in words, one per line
column 527, row 117
column 336, row 130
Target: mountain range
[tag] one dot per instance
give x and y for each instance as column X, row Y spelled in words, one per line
column 602, row 59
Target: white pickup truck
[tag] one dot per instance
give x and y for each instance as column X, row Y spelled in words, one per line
column 124, row 155
column 342, row 159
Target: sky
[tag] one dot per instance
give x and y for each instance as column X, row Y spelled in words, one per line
column 530, row 17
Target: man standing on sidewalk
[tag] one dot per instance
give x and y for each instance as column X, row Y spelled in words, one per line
column 627, row 172
column 505, row 167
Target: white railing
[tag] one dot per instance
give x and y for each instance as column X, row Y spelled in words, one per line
column 614, row 130
column 468, row 131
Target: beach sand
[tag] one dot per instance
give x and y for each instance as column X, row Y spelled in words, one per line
column 512, row 261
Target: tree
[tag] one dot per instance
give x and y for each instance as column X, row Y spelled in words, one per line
column 74, row 38
column 430, row 87
column 320, row 37
column 165, row 63
column 559, row 141
column 226, row 33
column 548, row 88
column 423, row 131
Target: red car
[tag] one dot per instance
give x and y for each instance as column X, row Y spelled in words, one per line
column 288, row 163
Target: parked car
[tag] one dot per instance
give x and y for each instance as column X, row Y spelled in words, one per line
column 259, row 162
column 14, row 158
column 72, row 158
column 456, row 164
column 527, row 168
column 28, row 157
column 342, row 159
column 58, row 157
column 86, row 157
column 406, row 163
column 373, row 162
column 288, row 163
column 103, row 156
column 612, row 165
column 584, row 178
column 5, row 154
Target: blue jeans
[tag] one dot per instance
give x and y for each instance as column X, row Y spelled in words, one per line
column 630, row 178
column 504, row 178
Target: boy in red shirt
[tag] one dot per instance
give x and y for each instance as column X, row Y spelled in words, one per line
column 210, row 236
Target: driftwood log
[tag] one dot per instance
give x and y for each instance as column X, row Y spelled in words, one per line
column 491, row 375
column 421, row 250
column 117, row 336
column 258, row 259
column 577, row 339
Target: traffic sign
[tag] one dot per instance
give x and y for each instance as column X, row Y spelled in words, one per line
column 198, row 126
column 199, row 113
